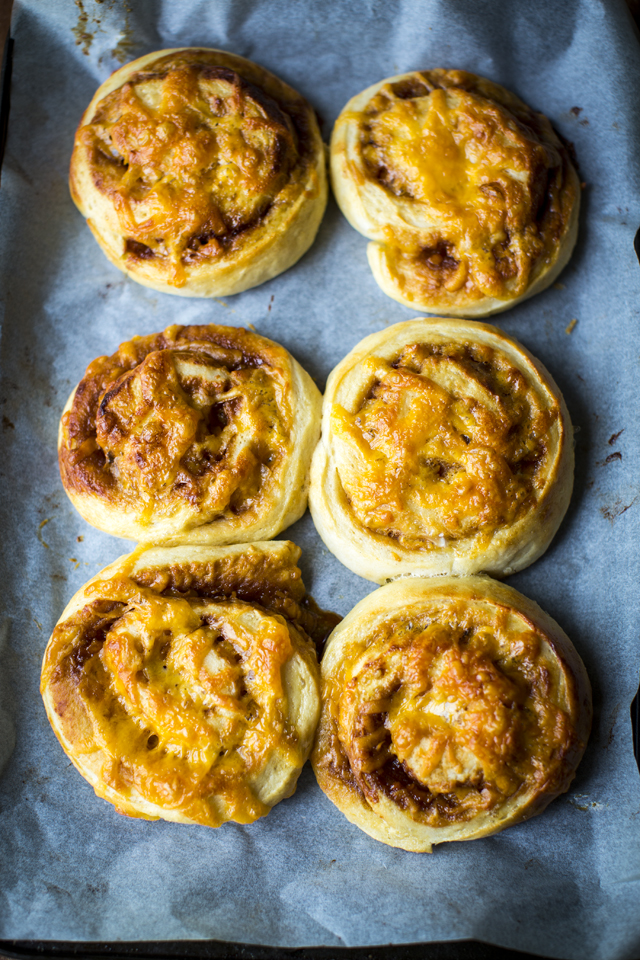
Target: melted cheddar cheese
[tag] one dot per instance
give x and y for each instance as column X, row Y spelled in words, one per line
column 188, row 701
column 193, row 157
column 188, row 426
column 448, row 441
column 482, row 187
column 447, row 711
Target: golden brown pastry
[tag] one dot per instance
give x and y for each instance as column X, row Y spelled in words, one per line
column 183, row 684
column 451, row 709
column 199, row 172
column 203, row 432
column 446, row 448
column 468, row 196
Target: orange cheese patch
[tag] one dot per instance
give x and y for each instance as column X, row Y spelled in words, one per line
column 192, row 156
column 447, row 442
column 183, row 698
column 195, row 421
column 450, row 712
column 481, row 184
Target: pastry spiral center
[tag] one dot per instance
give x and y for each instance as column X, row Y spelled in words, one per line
column 186, row 699
column 192, row 156
column 476, row 184
column 200, row 427
column 438, row 718
column 445, row 148
column 447, row 442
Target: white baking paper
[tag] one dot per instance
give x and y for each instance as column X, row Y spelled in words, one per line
column 566, row 884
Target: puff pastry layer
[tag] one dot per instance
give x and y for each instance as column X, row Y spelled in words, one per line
column 468, row 196
column 203, row 432
column 199, row 172
column 183, row 684
column 451, row 709
column 446, row 448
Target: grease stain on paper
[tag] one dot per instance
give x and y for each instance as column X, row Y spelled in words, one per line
column 126, row 43
column 40, row 537
column 81, row 32
column 88, row 24
column 581, row 801
column 616, row 455
column 616, row 509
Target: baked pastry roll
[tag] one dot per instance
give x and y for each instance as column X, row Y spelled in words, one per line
column 199, row 172
column 446, row 448
column 469, row 197
column 451, row 709
column 200, row 432
column 183, row 684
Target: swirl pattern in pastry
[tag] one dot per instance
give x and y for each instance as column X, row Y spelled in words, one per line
column 446, row 448
column 200, row 431
column 199, row 172
column 451, row 709
column 183, row 684
column 469, row 198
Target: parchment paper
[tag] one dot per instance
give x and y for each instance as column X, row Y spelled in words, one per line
column 565, row 884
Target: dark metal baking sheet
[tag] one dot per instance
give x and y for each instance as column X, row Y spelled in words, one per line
column 483, row 30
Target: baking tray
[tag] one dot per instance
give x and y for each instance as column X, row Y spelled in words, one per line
column 217, row 950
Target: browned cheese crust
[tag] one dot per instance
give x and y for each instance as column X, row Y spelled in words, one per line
column 469, row 196
column 451, row 709
column 183, row 682
column 206, row 429
column 446, row 448
column 199, row 172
